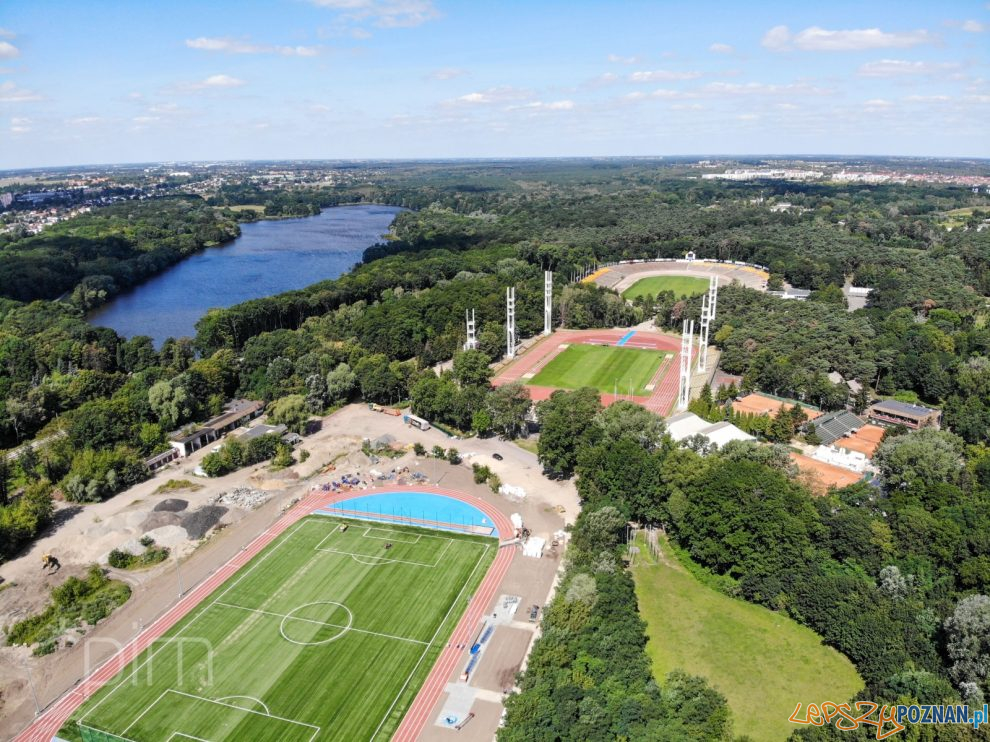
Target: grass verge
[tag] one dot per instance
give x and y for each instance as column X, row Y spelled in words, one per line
column 763, row 662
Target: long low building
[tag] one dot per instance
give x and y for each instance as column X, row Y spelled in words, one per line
column 236, row 413
column 683, row 425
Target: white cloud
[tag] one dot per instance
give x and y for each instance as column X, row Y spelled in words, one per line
column 900, row 67
column 617, row 59
column 927, row 99
column 213, row 82
column 84, row 120
column 660, row 75
column 146, row 119
column 721, row 49
column 758, row 88
column 19, row 124
column 748, row 116
column 239, row 46
column 384, row 13
column 10, row 93
column 814, row 38
column 557, row 105
column 878, row 103
column 446, row 73
column 8, row 50
column 502, row 94
column 974, row 26
column 7, row 34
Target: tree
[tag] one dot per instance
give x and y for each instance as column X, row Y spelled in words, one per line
column 5, row 476
column 968, row 642
column 567, row 422
column 926, row 457
column 471, row 368
column 290, row 411
column 340, row 383
column 625, row 419
column 316, row 393
column 507, row 407
column 171, row 403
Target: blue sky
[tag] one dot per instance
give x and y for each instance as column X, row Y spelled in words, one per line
column 97, row 81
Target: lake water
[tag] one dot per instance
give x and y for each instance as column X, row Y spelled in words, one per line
column 268, row 258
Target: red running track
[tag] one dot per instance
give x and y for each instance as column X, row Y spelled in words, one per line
column 47, row 725
column 660, row 400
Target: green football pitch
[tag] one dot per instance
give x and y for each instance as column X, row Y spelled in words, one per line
column 325, row 634
column 607, row 368
column 682, row 286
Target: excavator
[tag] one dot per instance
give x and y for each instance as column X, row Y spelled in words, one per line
column 50, row 563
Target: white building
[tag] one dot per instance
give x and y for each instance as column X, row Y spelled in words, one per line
column 852, row 460
column 686, row 424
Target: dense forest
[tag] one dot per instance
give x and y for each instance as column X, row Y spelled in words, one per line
column 892, row 574
column 96, row 255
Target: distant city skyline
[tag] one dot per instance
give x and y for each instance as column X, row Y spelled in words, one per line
column 102, row 82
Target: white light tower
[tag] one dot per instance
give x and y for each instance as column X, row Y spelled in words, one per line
column 707, row 317
column 547, row 302
column 510, row 322
column 703, row 336
column 472, row 337
column 684, row 391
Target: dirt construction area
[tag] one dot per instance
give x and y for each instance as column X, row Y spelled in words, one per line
column 209, row 523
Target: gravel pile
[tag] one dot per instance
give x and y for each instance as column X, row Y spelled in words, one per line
column 198, row 522
column 159, row 519
column 242, row 497
column 171, row 505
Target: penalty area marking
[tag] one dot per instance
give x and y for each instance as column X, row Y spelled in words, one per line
column 382, row 560
column 249, row 698
column 393, row 539
column 316, row 729
column 182, row 735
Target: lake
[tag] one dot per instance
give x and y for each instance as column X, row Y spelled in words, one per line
column 268, row 258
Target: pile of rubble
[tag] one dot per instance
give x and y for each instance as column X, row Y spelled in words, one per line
column 245, row 498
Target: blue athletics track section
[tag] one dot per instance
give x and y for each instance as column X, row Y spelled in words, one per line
column 625, row 338
column 414, row 509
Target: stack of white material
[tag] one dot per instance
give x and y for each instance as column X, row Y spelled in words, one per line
column 534, row 547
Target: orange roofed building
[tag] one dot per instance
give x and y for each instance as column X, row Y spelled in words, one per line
column 762, row 404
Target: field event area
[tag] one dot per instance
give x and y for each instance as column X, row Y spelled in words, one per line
column 681, row 286
column 606, row 368
column 327, row 634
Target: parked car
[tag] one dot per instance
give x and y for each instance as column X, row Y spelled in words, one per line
column 533, row 613
column 497, row 456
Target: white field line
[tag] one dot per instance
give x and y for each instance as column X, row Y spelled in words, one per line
column 247, row 711
column 146, row 710
column 199, row 613
column 321, row 623
column 430, row 643
column 103, row 731
column 382, row 560
column 185, row 736
column 389, row 537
